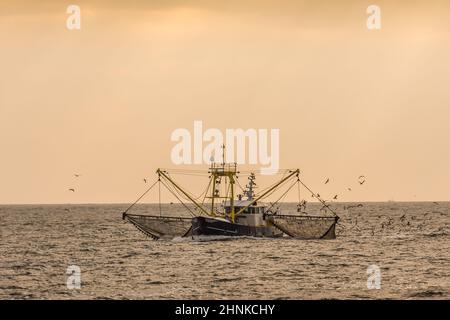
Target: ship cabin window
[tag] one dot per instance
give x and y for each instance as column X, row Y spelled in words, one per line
column 250, row 210
column 236, row 209
column 253, row 210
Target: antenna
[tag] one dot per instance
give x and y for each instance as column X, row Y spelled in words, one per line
column 249, row 192
column 223, row 154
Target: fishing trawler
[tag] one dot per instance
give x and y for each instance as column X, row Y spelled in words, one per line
column 223, row 213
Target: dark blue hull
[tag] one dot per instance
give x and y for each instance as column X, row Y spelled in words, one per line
column 203, row 226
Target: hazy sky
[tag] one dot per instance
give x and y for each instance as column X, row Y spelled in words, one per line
column 102, row 101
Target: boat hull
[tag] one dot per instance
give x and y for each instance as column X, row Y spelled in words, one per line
column 292, row 226
column 203, row 226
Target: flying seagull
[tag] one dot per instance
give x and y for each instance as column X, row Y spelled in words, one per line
column 328, row 180
column 335, row 197
column 301, row 205
column 349, row 189
column 77, row 175
column 145, row 180
column 361, row 179
column 71, row 189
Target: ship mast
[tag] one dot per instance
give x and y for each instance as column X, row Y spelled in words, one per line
column 226, row 171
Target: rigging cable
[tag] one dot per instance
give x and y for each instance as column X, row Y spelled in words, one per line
column 175, row 191
column 318, row 198
column 190, row 211
column 159, row 187
column 272, row 185
column 282, row 196
column 190, row 194
column 239, row 185
column 206, row 191
column 132, row 205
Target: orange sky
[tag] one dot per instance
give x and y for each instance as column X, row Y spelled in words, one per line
column 102, row 101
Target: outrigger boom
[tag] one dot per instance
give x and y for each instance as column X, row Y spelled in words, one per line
column 161, row 173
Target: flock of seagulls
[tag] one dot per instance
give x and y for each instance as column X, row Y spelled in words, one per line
column 361, row 180
column 395, row 223
column 301, row 207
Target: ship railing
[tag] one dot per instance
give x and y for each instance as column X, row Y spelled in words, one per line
column 298, row 216
column 220, row 167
